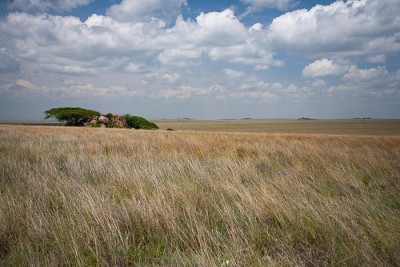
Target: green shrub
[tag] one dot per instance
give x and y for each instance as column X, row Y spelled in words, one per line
column 95, row 125
column 137, row 122
column 109, row 116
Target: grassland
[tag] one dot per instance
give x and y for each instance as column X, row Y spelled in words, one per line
column 89, row 197
column 337, row 127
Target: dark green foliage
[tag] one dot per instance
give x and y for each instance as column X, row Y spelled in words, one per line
column 109, row 116
column 137, row 122
column 94, row 125
column 71, row 116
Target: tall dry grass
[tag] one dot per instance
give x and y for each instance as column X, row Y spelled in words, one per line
column 89, row 197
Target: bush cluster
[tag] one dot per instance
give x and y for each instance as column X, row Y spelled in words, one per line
column 75, row 116
column 137, row 122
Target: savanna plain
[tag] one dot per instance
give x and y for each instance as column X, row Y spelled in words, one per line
column 118, row 197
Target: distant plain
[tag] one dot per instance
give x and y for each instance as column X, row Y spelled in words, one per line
column 287, row 126
column 335, row 127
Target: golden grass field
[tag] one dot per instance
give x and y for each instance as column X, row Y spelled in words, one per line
column 118, row 197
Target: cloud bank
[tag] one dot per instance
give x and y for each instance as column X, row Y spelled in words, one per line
column 154, row 51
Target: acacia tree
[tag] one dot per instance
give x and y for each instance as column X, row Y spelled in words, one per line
column 71, row 116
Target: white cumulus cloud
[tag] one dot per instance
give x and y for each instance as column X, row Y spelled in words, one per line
column 209, row 29
column 376, row 82
column 249, row 53
column 256, row 27
column 356, row 74
column 341, row 28
column 323, row 67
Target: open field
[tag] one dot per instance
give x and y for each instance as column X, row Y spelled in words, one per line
column 118, row 197
column 354, row 127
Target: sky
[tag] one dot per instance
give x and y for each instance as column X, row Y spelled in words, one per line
column 201, row 59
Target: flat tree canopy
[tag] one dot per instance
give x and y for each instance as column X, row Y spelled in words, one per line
column 71, row 116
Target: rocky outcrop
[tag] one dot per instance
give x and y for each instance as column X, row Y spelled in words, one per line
column 94, row 122
column 108, row 121
column 103, row 120
column 118, row 121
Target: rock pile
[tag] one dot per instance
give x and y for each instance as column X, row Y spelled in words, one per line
column 118, row 121
column 109, row 121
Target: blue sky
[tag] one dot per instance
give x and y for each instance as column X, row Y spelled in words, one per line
column 201, row 59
